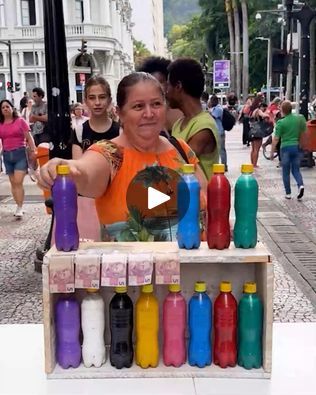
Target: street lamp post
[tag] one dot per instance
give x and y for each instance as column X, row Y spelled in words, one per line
column 269, row 64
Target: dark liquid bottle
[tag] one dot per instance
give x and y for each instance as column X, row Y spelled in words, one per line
column 121, row 326
column 64, row 194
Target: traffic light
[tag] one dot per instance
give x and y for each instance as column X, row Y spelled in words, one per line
column 83, row 48
column 17, row 86
column 9, row 86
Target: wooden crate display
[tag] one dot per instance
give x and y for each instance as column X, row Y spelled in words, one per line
column 211, row 266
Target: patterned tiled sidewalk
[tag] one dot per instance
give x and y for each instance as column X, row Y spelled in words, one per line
column 21, row 286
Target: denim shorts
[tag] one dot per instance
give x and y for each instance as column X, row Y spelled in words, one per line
column 15, row 160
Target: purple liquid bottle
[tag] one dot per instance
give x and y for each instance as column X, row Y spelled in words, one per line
column 67, row 325
column 64, row 194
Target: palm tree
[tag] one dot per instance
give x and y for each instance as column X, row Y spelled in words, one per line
column 237, row 47
column 245, row 48
column 228, row 7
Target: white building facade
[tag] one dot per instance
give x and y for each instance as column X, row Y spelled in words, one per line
column 147, row 18
column 105, row 25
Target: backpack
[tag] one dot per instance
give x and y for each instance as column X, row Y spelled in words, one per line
column 228, row 120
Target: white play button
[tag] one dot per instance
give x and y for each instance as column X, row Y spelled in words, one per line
column 155, row 198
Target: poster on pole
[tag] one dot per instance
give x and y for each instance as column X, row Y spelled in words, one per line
column 221, row 74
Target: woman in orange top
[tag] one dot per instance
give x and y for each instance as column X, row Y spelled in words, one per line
column 107, row 168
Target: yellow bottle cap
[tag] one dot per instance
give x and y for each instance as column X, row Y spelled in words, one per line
column 120, row 290
column 188, row 169
column 147, row 289
column 200, row 286
column 247, row 168
column 218, row 168
column 250, row 288
column 225, row 286
column 63, row 169
column 92, row 290
column 174, row 287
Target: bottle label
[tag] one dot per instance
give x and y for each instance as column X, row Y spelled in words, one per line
column 61, row 274
column 113, row 272
column 167, row 268
column 140, row 268
column 87, row 271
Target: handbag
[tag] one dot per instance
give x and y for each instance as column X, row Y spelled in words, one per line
column 260, row 129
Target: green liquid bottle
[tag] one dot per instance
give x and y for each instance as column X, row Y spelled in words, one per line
column 246, row 207
column 250, row 320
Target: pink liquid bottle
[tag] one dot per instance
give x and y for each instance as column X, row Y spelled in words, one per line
column 174, row 324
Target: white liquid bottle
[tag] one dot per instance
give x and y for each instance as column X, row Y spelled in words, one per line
column 92, row 324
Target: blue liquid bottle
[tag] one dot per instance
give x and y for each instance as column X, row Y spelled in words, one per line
column 246, row 207
column 200, row 324
column 188, row 234
column 250, row 323
column 67, row 325
column 64, row 194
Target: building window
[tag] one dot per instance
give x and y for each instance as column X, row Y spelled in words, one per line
column 30, row 58
column 79, row 14
column 31, row 81
column 1, row 60
column 28, row 14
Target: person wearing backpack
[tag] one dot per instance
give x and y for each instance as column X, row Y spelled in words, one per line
column 217, row 111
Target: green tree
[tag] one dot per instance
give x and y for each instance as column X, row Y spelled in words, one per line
column 140, row 52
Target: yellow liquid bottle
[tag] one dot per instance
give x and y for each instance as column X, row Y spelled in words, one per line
column 147, row 327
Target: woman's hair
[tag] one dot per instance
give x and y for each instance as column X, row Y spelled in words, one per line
column 256, row 103
column 76, row 105
column 129, row 81
column 97, row 80
column 276, row 100
column 286, row 107
column 214, row 101
column 155, row 64
column 15, row 114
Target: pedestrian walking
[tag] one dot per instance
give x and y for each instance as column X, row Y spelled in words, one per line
column 216, row 110
column 39, row 117
column 244, row 119
column 15, row 136
column 289, row 130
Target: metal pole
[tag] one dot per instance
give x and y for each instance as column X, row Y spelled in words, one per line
column 282, row 48
column 269, row 72
column 35, row 66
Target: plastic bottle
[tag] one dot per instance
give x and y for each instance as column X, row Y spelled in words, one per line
column 93, row 323
column 64, row 194
column 246, row 207
column 121, row 326
column 67, row 324
column 147, row 326
column 225, row 327
column 200, row 324
column 188, row 234
column 250, row 318
column 218, row 207
column 174, row 324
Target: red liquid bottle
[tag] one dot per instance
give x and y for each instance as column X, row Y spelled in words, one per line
column 225, row 327
column 218, row 207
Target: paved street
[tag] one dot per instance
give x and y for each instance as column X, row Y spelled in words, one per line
column 287, row 227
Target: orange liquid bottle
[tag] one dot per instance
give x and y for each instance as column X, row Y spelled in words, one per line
column 147, row 327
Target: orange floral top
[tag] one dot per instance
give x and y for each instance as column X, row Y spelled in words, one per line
column 125, row 164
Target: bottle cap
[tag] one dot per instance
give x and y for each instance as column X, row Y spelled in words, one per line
column 147, row 289
column 218, row 168
column 63, row 169
column 225, row 286
column 120, row 290
column 92, row 290
column 200, row 286
column 174, row 287
column 250, row 288
column 247, row 168
column 188, row 169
